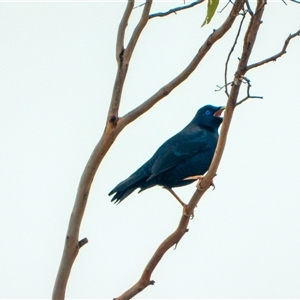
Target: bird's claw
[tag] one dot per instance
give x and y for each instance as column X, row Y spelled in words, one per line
column 191, row 216
column 199, row 178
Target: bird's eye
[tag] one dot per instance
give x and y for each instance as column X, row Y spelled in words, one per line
column 207, row 112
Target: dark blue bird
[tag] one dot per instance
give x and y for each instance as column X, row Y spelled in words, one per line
column 180, row 160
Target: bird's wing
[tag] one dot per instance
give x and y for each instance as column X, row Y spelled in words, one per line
column 181, row 146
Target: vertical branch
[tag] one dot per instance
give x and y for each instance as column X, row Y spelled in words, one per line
column 72, row 243
column 122, row 28
column 124, row 56
column 249, row 41
column 137, row 31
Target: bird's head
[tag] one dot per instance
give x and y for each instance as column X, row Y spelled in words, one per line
column 209, row 116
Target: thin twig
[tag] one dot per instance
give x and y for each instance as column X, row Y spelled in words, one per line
column 249, row 8
column 229, row 1
column 176, row 9
column 274, row 57
column 248, row 96
column 140, row 5
column 219, row 88
column 231, row 51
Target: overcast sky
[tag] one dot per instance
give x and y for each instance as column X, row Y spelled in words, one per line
column 56, row 76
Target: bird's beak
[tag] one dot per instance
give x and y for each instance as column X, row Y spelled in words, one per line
column 219, row 111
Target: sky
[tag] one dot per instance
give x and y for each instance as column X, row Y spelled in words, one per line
column 56, row 77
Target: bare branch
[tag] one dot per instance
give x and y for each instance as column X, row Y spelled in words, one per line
column 249, row 42
column 229, row 1
column 274, row 57
column 124, row 59
column 137, row 31
column 231, row 51
column 82, row 242
column 72, row 245
column 140, row 5
column 165, row 90
column 122, row 28
column 175, row 237
column 169, row 242
column 248, row 96
column 176, row 9
column 219, row 88
column 249, row 8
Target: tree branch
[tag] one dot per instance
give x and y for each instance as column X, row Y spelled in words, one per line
column 174, row 238
column 248, row 96
column 165, row 90
column 274, row 57
column 122, row 28
column 72, row 245
column 169, row 242
column 176, row 9
column 231, row 51
column 249, row 8
column 137, row 31
column 124, row 57
column 249, row 42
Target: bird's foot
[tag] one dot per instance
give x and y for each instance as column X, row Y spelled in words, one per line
column 182, row 204
column 191, row 216
column 199, row 178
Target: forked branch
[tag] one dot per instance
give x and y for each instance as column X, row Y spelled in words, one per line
column 279, row 54
column 174, row 238
column 166, row 89
column 72, row 243
column 121, row 31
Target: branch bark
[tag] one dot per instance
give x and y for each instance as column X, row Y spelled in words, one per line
column 72, row 243
column 175, row 9
column 274, row 57
column 175, row 237
column 114, row 126
column 169, row 87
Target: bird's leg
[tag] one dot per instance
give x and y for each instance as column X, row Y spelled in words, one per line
column 200, row 178
column 176, row 196
column 181, row 202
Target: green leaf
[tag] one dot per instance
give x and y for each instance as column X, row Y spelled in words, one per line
column 211, row 9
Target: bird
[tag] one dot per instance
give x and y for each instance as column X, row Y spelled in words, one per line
column 182, row 159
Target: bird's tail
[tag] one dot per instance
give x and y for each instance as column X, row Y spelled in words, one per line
column 126, row 187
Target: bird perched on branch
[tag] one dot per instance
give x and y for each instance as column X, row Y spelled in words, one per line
column 180, row 160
